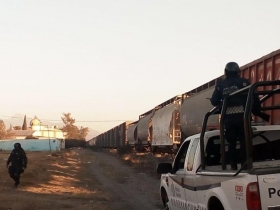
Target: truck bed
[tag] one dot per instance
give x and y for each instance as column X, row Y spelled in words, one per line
column 263, row 167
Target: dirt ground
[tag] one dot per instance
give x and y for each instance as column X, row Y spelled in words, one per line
column 83, row 179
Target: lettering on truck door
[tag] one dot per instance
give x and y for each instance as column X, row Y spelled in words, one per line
column 177, row 196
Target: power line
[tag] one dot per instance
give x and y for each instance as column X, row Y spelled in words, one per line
column 75, row 120
column 92, row 120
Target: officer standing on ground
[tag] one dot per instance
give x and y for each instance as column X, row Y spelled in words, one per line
column 18, row 162
column 233, row 121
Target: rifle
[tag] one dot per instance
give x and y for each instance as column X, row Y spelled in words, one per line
column 262, row 115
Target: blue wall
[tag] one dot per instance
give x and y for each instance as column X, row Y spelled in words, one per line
column 32, row 144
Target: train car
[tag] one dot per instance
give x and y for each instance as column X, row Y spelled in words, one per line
column 110, row 138
column 132, row 134
column 122, row 134
column 91, row 142
column 266, row 68
column 107, row 140
column 102, row 139
column 159, row 128
column 192, row 112
column 97, row 142
column 166, row 136
column 104, row 144
column 196, row 102
column 180, row 117
column 115, row 137
column 144, row 132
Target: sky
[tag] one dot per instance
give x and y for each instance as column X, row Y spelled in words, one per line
column 109, row 61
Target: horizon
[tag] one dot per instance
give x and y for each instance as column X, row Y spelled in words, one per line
column 19, row 118
column 108, row 62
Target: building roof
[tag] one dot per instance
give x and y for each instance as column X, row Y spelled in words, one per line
column 35, row 121
column 22, row 132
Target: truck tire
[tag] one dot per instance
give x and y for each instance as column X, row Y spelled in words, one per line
column 164, row 198
column 215, row 204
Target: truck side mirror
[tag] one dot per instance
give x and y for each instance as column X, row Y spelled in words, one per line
column 164, row 168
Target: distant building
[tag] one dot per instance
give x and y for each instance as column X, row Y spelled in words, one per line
column 22, row 134
column 37, row 131
column 37, row 137
column 45, row 131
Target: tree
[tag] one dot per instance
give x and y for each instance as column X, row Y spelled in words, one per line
column 17, row 127
column 9, row 134
column 24, row 125
column 2, row 130
column 83, row 132
column 73, row 132
column 4, row 134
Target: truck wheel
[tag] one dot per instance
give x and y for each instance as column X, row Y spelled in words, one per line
column 215, row 204
column 165, row 200
column 166, row 203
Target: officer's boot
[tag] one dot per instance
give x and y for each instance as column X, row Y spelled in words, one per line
column 16, row 181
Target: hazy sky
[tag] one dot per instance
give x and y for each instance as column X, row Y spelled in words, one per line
column 111, row 60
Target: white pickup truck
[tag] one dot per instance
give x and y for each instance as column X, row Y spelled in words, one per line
column 200, row 179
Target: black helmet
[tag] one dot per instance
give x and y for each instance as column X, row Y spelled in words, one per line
column 17, row 145
column 232, row 67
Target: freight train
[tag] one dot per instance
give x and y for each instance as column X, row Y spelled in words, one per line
column 164, row 127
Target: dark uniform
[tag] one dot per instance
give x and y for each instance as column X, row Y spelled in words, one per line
column 233, row 120
column 18, row 162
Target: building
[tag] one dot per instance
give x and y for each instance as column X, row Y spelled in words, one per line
column 37, row 137
column 45, row 131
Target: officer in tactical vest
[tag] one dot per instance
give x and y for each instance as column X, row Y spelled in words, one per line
column 233, row 121
column 18, row 162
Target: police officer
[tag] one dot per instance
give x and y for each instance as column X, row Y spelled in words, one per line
column 233, row 120
column 18, row 162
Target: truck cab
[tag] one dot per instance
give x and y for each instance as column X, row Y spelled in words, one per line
column 200, row 177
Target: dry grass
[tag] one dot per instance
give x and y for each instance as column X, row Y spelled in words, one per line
column 143, row 162
column 65, row 180
column 52, row 180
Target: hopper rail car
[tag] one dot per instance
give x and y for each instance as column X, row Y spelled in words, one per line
column 164, row 127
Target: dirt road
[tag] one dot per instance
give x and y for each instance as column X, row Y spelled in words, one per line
column 79, row 179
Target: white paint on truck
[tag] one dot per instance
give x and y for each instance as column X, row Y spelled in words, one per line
column 188, row 187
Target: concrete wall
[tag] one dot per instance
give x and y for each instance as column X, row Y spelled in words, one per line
column 33, row 144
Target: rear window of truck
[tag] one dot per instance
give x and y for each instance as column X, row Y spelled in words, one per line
column 266, row 146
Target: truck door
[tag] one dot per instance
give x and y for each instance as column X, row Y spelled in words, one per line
column 189, row 178
column 177, row 199
column 269, row 190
